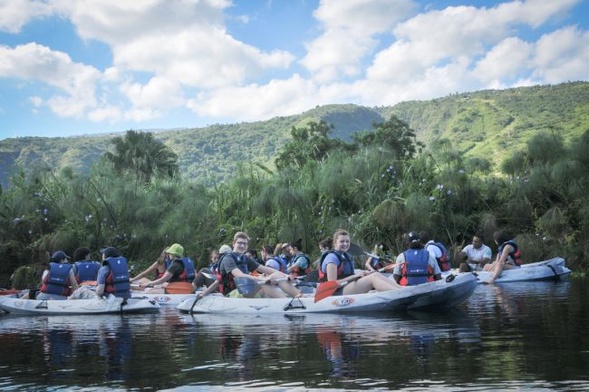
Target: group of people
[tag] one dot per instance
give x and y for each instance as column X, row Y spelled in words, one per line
column 423, row 261
column 65, row 280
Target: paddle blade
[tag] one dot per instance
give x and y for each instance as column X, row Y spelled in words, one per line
column 326, row 289
column 245, row 286
column 179, row 288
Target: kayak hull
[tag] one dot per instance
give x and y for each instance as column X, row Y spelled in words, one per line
column 437, row 295
column 552, row 269
column 78, row 306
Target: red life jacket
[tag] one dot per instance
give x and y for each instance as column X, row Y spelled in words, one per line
column 444, row 260
column 57, row 280
column 296, row 270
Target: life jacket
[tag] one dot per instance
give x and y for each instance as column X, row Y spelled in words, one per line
column 515, row 255
column 298, row 271
column 226, row 283
column 117, row 280
column 87, row 270
column 444, row 260
column 416, row 269
column 56, row 281
column 376, row 263
column 188, row 273
column 345, row 265
column 281, row 263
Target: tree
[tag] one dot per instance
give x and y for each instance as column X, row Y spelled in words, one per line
column 394, row 134
column 141, row 154
column 308, row 144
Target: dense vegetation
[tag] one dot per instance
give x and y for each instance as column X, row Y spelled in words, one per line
column 378, row 185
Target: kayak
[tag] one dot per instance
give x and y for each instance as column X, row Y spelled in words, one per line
column 442, row 294
column 552, row 269
column 77, row 306
column 163, row 299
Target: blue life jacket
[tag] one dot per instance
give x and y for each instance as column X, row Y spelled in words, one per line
column 56, row 281
column 117, row 280
column 345, row 265
column 416, row 269
column 188, row 273
column 444, row 260
column 87, row 270
column 226, row 283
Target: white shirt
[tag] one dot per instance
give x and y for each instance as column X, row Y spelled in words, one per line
column 477, row 255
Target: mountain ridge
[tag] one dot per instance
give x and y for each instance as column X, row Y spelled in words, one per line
column 486, row 123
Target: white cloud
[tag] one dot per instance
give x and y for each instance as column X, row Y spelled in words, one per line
column 349, row 29
column 14, row 14
column 503, row 62
column 252, row 102
column 562, row 55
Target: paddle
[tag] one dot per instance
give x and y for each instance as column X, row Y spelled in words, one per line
column 326, row 289
column 247, row 286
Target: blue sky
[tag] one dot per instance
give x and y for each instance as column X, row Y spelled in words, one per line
column 80, row 67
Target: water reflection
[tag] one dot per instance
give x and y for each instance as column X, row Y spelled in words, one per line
column 506, row 333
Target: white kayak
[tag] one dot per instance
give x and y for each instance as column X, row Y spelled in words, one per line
column 163, row 299
column 78, row 306
column 441, row 294
column 552, row 269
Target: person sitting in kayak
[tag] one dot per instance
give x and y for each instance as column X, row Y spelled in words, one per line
column 475, row 255
column 378, row 259
column 207, row 276
column 58, row 280
column 237, row 265
column 416, row 265
column 300, row 264
column 436, row 249
column 337, row 265
column 113, row 276
column 181, row 269
column 508, row 256
column 85, row 270
column 275, row 260
column 158, row 268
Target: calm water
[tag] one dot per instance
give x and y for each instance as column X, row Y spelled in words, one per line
column 530, row 336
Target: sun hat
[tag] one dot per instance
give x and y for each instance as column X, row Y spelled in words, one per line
column 176, row 250
column 59, row 255
column 225, row 249
column 110, row 251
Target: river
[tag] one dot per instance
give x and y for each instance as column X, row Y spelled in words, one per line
column 519, row 336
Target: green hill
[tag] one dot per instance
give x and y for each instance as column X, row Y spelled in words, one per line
column 490, row 123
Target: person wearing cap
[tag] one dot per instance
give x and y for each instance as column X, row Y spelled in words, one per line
column 237, row 265
column 113, row 276
column 181, row 269
column 158, row 268
column 85, row 270
column 58, row 280
column 416, row 265
column 207, row 276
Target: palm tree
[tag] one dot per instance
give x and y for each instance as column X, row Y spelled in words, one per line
column 141, row 154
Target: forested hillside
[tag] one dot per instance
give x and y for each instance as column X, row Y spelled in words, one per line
column 490, row 124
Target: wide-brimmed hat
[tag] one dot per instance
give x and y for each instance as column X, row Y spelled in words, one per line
column 59, row 255
column 110, row 251
column 176, row 250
